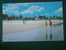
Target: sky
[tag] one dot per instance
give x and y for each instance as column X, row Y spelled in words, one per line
column 33, row 9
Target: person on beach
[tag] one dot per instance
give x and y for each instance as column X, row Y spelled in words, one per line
column 50, row 22
column 23, row 21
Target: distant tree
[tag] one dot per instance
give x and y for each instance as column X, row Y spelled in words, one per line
column 40, row 17
column 20, row 17
column 44, row 17
column 60, row 17
column 5, row 16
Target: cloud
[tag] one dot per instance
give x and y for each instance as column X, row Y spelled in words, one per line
column 23, row 4
column 33, row 9
column 4, row 12
column 59, row 10
column 17, row 13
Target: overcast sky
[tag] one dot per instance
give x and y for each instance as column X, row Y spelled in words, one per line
column 33, row 9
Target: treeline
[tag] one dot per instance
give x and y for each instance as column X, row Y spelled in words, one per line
column 6, row 17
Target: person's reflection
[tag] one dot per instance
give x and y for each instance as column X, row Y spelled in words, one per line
column 46, row 25
column 51, row 36
column 50, row 24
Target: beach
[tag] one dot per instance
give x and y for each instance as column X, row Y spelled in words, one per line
column 17, row 25
column 15, row 30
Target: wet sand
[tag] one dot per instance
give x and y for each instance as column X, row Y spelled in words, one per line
column 31, row 31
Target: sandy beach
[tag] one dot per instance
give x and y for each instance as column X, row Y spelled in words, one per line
column 17, row 25
column 37, row 30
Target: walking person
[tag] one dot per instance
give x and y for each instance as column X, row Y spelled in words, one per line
column 50, row 22
column 23, row 21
